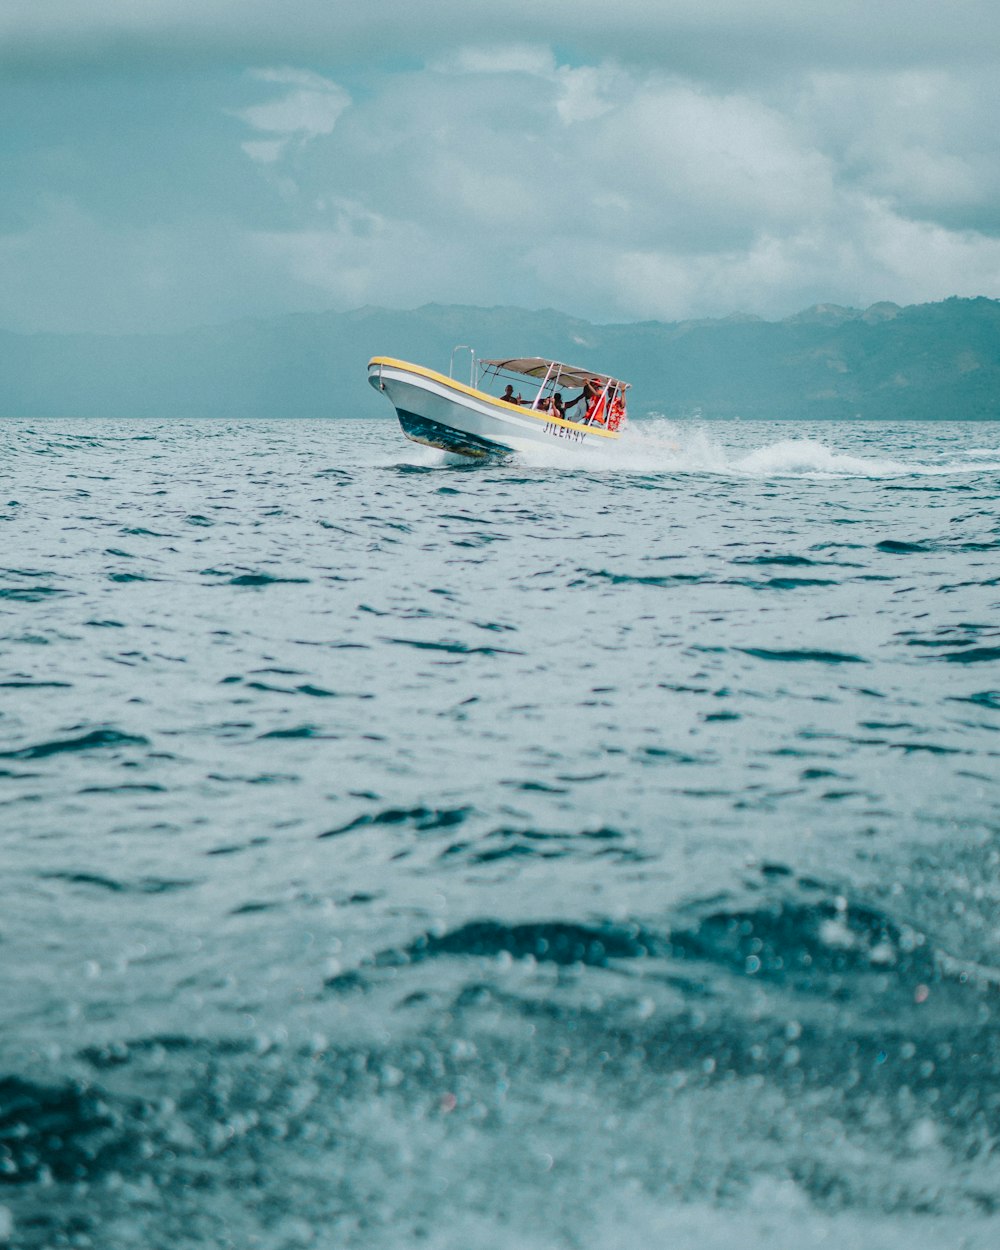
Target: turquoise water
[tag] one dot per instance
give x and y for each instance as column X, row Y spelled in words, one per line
column 402, row 852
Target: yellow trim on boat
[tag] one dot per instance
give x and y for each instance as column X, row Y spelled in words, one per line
column 490, row 399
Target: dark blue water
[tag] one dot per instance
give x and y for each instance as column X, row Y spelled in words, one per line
column 400, row 852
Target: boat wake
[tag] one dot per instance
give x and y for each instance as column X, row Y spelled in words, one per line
column 735, row 450
column 664, row 446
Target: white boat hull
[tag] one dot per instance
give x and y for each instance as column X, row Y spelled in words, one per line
column 441, row 412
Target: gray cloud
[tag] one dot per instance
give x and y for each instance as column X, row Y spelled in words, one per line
column 729, row 39
column 69, row 272
column 637, row 193
column 201, row 162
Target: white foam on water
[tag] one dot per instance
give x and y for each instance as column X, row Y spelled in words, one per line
column 805, row 457
column 775, row 1215
column 659, row 445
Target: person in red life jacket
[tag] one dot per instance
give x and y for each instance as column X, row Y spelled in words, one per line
column 596, row 412
column 591, row 395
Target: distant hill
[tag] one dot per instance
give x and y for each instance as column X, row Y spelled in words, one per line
column 927, row 361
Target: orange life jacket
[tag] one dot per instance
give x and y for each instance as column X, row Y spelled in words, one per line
column 597, row 410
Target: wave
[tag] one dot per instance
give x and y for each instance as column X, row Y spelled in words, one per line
column 95, row 739
column 60, row 1132
column 146, row 885
column 822, row 657
column 557, row 942
column 420, row 818
column 265, row 579
column 658, row 445
column 800, row 934
column 662, row 444
column 974, row 655
column 476, row 1056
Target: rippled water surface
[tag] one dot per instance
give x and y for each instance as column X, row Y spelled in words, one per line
column 407, row 852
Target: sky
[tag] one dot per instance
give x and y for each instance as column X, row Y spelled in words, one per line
column 166, row 164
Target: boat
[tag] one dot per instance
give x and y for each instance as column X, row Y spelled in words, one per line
column 471, row 420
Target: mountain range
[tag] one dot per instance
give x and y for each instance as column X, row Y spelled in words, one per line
column 924, row 361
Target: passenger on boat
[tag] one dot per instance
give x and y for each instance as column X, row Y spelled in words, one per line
column 556, row 405
column 509, row 397
column 593, row 396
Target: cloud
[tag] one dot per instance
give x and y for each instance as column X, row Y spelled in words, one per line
column 709, row 170
column 871, row 261
column 513, row 58
column 583, row 93
column 923, row 139
column 666, row 198
column 356, row 254
column 309, row 109
column 473, row 181
column 725, row 41
column 70, row 272
column 685, row 160
column 265, row 151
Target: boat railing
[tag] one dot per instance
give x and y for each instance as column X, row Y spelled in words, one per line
column 545, row 382
column 464, row 347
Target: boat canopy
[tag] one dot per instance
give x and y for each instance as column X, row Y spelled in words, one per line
column 566, row 375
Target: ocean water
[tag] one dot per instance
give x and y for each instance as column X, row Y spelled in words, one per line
column 403, row 852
